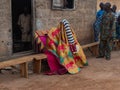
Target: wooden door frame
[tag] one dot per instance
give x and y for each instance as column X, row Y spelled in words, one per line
column 33, row 28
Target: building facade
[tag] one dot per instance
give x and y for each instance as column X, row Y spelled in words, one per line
column 45, row 15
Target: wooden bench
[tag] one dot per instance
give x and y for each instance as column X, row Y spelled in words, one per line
column 23, row 62
column 37, row 58
column 92, row 47
column 116, row 45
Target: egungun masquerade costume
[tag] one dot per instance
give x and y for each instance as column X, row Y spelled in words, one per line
column 63, row 50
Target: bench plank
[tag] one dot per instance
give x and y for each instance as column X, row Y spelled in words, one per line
column 90, row 45
column 21, row 60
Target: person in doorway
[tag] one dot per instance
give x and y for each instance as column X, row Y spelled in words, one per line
column 97, row 22
column 24, row 23
column 106, row 32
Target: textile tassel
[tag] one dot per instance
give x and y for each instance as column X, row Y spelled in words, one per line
column 69, row 34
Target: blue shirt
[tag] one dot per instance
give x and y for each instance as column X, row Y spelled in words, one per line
column 99, row 13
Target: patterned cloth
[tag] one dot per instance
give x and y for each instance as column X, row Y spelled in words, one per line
column 57, row 44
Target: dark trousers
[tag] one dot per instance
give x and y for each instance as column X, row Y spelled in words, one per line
column 105, row 48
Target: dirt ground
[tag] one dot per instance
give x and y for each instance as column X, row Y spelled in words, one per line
column 99, row 75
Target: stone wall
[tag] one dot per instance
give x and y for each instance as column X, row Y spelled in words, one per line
column 116, row 2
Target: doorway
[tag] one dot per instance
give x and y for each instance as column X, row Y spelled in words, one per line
column 21, row 25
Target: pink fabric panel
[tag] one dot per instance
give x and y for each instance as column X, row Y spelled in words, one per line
column 53, row 62
column 43, row 39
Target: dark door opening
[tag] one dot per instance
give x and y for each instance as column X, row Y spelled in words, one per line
column 21, row 25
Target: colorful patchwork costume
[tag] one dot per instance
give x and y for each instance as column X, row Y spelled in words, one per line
column 62, row 43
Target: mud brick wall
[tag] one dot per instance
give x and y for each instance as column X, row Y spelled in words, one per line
column 81, row 18
column 5, row 28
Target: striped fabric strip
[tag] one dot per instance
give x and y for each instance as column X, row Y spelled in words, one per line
column 70, row 36
column 68, row 31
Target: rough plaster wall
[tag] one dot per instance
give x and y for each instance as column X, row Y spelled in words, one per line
column 81, row 19
column 116, row 2
column 5, row 32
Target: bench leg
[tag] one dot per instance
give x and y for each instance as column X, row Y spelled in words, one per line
column 91, row 50
column 95, row 50
column 117, row 45
column 24, row 69
column 37, row 66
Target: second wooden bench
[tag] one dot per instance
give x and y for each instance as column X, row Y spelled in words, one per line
column 23, row 62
